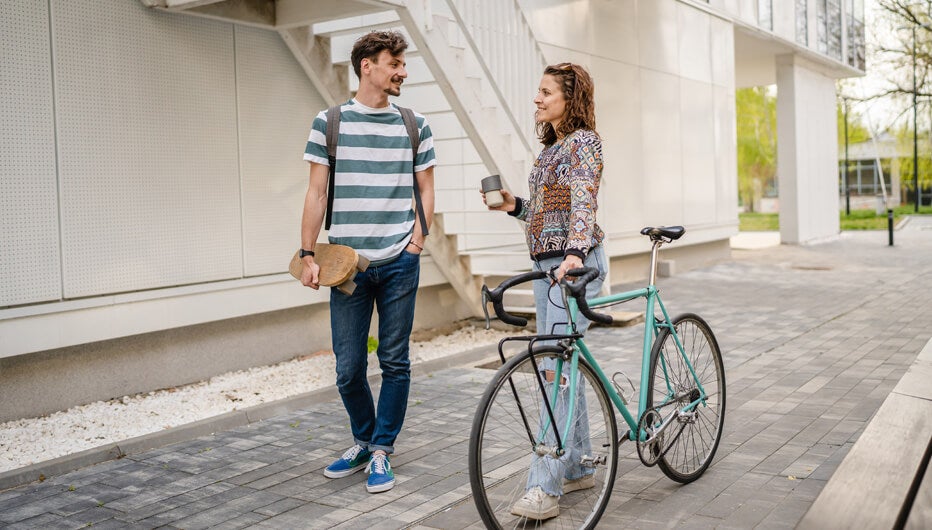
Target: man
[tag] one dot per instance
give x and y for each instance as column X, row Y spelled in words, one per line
column 371, row 212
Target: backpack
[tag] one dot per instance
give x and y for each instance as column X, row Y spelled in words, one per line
column 333, row 135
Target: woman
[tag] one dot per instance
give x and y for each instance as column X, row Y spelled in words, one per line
column 562, row 234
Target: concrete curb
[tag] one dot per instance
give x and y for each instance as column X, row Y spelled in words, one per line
column 231, row 420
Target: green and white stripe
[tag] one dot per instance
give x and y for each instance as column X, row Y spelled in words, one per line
column 372, row 198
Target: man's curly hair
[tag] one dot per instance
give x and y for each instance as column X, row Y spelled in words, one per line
column 370, row 45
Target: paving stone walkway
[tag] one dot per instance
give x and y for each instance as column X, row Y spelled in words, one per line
column 814, row 339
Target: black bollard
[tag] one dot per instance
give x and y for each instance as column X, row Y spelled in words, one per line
column 890, row 226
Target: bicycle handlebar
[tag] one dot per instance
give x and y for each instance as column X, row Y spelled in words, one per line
column 576, row 289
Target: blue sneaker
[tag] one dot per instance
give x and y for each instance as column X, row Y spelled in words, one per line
column 354, row 459
column 381, row 476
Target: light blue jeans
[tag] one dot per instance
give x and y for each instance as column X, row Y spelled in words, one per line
column 548, row 472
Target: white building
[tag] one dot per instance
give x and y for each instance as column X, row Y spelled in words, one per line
column 151, row 173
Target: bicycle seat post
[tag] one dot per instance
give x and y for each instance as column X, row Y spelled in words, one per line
column 653, row 261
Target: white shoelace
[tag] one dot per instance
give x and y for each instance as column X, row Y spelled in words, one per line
column 535, row 495
column 378, row 464
column 352, row 452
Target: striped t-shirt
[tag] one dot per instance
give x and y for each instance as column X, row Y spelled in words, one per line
column 373, row 184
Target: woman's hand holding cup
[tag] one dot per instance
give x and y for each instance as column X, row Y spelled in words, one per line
column 494, row 196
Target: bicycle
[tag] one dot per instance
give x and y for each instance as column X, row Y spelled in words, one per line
column 548, row 409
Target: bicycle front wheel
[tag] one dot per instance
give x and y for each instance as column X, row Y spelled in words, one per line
column 513, row 447
column 690, row 441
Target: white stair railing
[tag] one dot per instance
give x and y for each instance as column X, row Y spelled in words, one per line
column 509, row 54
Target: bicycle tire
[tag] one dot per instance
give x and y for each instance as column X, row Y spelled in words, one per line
column 500, row 448
column 695, row 439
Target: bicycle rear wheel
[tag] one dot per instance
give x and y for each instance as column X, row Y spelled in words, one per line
column 689, row 443
column 512, row 417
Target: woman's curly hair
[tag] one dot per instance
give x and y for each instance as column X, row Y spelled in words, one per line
column 579, row 93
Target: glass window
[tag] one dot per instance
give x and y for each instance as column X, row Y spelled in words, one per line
column 765, row 14
column 856, row 33
column 821, row 25
column 829, row 27
column 802, row 22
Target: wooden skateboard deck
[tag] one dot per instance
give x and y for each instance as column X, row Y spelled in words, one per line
column 338, row 265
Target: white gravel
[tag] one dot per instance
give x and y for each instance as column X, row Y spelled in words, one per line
column 31, row 440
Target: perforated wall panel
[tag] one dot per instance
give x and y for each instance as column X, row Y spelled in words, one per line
column 147, row 147
column 29, row 254
column 276, row 103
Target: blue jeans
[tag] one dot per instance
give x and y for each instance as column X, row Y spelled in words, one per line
column 548, row 472
column 392, row 289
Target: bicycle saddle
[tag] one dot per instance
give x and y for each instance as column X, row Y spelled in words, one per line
column 669, row 232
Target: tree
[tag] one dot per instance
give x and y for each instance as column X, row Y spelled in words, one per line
column 901, row 50
column 895, row 49
column 904, row 138
column 756, row 110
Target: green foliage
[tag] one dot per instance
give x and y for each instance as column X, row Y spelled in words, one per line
column 857, row 220
column 372, row 344
column 758, row 222
column 857, row 132
column 904, row 137
column 756, row 110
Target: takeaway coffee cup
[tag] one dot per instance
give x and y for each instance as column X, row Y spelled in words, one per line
column 492, row 187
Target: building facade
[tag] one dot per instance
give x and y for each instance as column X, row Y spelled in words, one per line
column 151, row 179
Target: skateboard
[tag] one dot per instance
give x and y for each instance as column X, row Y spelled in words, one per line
column 338, row 265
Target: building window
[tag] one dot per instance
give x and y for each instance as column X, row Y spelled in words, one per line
column 829, row 25
column 765, row 14
column 863, row 177
column 802, row 22
column 855, row 11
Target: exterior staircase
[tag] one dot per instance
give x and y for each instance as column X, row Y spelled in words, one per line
column 469, row 74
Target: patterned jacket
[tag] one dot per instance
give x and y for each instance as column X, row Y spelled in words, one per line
column 564, row 185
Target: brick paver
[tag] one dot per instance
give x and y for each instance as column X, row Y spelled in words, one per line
column 814, row 339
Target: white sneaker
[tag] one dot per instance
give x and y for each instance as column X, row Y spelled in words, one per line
column 537, row 505
column 582, row 483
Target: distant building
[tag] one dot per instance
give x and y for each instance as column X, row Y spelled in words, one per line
column 863, row 182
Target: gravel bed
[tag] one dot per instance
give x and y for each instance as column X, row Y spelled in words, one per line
column 31, row 440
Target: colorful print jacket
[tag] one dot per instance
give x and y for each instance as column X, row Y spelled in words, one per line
column 564, row 185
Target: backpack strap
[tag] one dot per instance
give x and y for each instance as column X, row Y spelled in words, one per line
column 415, row 136
column 333, row 136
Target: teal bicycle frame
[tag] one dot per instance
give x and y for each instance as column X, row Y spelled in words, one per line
column 652, row 328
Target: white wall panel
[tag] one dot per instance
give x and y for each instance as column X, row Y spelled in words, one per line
column 697, row 130
column 147, row 148
column 662, row 152
column 658, row 47
column 693, row 32
column 726, row 155
column 618, row 120
column 30, row 270
column 276, row 105
column 722, row 46
column 591, row 27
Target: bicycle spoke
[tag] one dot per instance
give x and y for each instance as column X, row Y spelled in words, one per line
column 689, row 454
column 503, row 464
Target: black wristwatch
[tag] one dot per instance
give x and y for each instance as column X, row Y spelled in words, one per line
column 303, row 253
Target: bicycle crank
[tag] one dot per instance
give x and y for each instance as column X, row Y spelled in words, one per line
column 658, row 442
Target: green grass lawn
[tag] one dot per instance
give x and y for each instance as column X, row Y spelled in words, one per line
column 858, row 220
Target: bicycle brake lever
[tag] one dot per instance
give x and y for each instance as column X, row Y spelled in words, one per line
column 485, row 307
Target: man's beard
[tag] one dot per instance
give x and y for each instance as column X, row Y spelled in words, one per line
column 392, row 90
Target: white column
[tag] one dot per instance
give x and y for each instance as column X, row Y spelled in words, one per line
column 807, row 165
